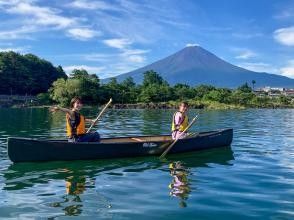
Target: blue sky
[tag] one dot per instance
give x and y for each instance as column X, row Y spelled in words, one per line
column 113, row 37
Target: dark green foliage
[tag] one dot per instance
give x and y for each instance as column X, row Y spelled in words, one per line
column 26, row 74
column 152, row 78
column 202, row 90
column 155, row 89
column 245, row 88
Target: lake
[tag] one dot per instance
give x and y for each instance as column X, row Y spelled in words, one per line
column 251, row 179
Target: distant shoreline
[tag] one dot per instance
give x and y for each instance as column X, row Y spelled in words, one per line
column 168, row 105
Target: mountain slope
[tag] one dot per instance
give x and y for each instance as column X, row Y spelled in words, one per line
column 195, row 65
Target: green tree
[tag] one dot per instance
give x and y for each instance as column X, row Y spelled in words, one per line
column 26, row 74
column 83, row 85
column 58, row 92
column 245, row 88
column 201, row 90
column 151, row 78
column 182, row 91
column 253, row 83
column 129, row 90
column 218, row 95
column 154, row 88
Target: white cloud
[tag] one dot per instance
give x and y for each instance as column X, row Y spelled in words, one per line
column 243, row 53
column 19, row 33
column 90, row 69
column 118, row 43
column 288, row 70
column 285, row 36
column 92, row 5
column 134, row 55
column 136, row 58
column 192, row 45
column 247, row 54
column 287, row 13
column 246, row 36
column 33, row 18
column 128, row 54
column 15, row 49
column 41, row 15
column 98, row 57
column 259, row 67
column 83, row 33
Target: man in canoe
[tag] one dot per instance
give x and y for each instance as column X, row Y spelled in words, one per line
column 180, row 121
column 75, row 123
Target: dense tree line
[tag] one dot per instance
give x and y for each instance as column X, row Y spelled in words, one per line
column 153, row 89
column 26, row 74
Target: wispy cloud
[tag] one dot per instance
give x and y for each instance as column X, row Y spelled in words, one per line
column 246, row 54
column 259, row 67
column 23, row 32
column 288, row 70
column 285, row 36
column 92, row 5
column 15, row 49
column 127, row 53
column 246, row 36
column 83, row 33
column 286, row 13
column 118, row 43
column 33, row 18
column 41, row 15
column 111, row 64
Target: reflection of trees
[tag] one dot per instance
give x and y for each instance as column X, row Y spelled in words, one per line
column 179, row 187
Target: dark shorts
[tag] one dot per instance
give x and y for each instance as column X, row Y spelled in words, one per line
column 88, row 137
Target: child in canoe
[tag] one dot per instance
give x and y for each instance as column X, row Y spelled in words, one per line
column 180, row 121
column 75, row 123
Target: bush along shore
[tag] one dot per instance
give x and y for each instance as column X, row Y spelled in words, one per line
column 153, row 93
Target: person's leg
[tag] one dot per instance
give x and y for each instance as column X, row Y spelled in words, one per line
column 95, row 136
column 89, row 137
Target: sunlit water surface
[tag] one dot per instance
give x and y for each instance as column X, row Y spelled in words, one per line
column 252, row 179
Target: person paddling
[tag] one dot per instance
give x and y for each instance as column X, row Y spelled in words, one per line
column 180, row 121
column 75, row 123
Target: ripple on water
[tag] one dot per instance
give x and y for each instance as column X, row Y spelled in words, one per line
column 251, row 180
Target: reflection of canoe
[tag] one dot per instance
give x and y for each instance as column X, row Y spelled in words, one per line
column 25, row 149
column 24, row 175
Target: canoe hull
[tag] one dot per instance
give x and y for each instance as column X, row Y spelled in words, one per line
column 33, row 150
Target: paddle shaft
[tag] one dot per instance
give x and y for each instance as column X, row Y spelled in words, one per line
column 102, row 111
column 175, row 141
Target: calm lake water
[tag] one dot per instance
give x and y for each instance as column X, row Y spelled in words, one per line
column 252, row 179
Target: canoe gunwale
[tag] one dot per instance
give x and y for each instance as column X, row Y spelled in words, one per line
column 65, row 141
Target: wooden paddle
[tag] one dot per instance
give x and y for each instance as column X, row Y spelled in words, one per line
column 99, row 115
column 175, row 141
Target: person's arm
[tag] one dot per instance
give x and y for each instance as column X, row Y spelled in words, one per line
column 89, row 120
column 65, row 110
column 178, row 119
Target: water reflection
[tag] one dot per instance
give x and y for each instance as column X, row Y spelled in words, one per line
column 180, row 170
column 179, row 187
column 70, row 186
column 72, row 203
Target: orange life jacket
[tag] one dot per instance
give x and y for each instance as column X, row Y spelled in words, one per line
column 76, row 126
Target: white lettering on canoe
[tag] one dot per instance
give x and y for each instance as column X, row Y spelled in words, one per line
column 149, row 144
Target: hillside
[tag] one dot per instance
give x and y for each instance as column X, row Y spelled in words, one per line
column 26, row 74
